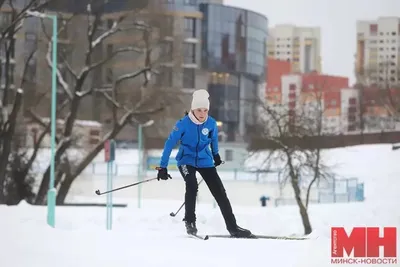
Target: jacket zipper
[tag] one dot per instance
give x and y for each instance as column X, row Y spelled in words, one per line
column 198, row 141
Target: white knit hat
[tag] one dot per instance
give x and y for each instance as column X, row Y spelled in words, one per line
column 200, row 99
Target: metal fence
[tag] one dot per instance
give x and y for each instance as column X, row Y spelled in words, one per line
column 334, row 191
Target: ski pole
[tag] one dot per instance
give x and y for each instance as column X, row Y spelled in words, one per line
column 123, row 187
column 172, row 214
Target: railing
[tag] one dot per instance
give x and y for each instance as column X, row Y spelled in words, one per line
column 337, row 191
column 100, row 168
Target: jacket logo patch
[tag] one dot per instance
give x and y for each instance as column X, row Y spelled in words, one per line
column 204, row 131
column 175, row 128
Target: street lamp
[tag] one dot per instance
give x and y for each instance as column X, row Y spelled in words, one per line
column 140, row 151
column 51, row 193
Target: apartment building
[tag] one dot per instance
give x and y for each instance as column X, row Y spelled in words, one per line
column 377, row 68
column 301, row 46
column 305, row 92
column 345, row 110
column 203, row 44
column 378, row 51
column 177, row 48
column 273, row 74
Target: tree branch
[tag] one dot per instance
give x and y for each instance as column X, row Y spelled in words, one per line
column 60, row 78
column 33, row 5
column 49, row 49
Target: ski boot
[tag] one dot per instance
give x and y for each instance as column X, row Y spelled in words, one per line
column 240, row 232
column 191, row 228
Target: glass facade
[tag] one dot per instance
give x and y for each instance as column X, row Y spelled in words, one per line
column 234, row 40
column 234, row 52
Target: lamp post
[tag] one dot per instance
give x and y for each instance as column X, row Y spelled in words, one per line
column 51, row 193
column 140, row 164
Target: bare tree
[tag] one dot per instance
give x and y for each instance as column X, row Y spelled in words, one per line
column 132, row 96
column 12, row 93
column 294, row 133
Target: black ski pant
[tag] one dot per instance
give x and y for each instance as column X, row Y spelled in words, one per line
column 216, row 188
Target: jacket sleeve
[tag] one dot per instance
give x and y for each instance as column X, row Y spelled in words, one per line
column 171, row 142
column 214, row 140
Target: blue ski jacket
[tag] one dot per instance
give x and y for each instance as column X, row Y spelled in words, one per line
column 195, row 141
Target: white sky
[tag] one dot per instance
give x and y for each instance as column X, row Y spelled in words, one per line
column 337, row 20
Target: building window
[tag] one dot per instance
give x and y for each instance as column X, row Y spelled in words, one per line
column 110, row 23
column 189, row 53
column 167, row 50
column 352, row 110
column 190, row 27
column 351, row 128
column 109, row 75
column 93, row 141
column 10, row 72
column 94, row 132
column 189, row 78
column 5, row 19
column 229, row 155
column 110, row 50
column 352, row 101
column 165, row 78
column 373, row 29
column 61, row 98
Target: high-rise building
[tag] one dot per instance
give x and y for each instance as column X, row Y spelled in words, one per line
column 234, row 55
column 378, row 51
column 299, row 45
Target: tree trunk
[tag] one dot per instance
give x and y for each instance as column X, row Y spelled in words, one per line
column 303, row 211
column 316, row 176
column 6, row 140
column 69, row 179
column 64, row 189
column 65, row 144
column 44, row 185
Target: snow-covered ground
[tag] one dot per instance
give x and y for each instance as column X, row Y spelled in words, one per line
column 150, row 237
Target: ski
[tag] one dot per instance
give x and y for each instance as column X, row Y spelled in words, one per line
column 262, row 237
column 199, row 236
column 206, row 237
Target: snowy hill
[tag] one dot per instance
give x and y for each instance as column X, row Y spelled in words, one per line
column 150, row 237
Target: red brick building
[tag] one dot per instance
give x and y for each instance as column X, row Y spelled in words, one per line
column 274, row 72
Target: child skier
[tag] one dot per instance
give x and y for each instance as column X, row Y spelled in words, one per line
column 196, row 132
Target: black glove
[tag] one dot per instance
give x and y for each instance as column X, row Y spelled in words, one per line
column 163, row 174
column 217, row 160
